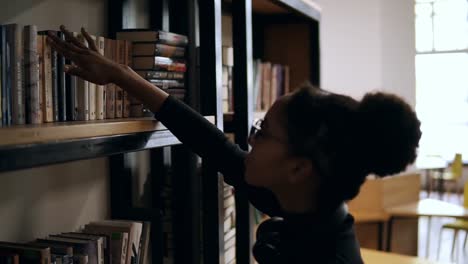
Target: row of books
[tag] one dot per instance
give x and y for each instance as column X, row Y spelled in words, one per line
column 34, row 88
column 228, row 63
column 270, row 82
column 229, row 225
column 99, row 242
column 166, row 195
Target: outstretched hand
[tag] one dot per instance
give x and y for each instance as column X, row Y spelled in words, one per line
column 88, row 63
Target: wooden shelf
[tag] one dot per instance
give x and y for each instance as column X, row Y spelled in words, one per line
column 29, row 146
column 55, row 132
column 283, row 7
column 304, row 7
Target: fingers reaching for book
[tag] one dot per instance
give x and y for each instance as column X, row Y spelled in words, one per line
column 91, row 42
column 70, row 38
column 74, row 70
column 66, row 49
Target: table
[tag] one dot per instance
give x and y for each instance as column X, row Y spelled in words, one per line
column 377, row 257
column 378, row 217
column 426, row 207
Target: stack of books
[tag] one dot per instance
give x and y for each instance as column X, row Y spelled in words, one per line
column 159, row 57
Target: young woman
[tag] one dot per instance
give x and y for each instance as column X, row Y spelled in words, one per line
column 309, row 155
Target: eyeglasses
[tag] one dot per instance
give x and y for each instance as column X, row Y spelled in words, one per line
column 257, row 132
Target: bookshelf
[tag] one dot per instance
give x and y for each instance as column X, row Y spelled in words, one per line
column 266, row 30
column 196, row 186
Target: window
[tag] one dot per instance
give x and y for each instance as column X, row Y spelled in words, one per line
column 442, row 76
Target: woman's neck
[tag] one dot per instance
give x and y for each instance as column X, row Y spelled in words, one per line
column 297, row 201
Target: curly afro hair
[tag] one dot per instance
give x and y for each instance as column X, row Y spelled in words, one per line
column 348, row 139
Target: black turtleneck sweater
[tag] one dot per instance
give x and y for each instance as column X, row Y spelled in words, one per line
column 298, row 238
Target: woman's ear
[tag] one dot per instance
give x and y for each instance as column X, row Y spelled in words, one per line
column 301, row 170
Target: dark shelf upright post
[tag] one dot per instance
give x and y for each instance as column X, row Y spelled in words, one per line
column 114, row 18
column 210, row 94
column 243, row 109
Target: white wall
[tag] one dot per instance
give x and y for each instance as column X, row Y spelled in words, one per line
column 398, row 48
column 368, row 45
column 39, row 201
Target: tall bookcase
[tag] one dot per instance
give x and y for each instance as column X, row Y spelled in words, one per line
column 195, row 194
column 197, row 188
column 280, row 31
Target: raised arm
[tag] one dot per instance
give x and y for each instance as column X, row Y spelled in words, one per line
column 187, row 125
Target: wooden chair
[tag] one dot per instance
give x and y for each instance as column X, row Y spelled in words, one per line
column 456, row 226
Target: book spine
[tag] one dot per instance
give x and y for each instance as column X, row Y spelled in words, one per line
column 47, row 95
column 170, row 38
column 8, row 81
column 82, row 92
column 109, row 52
column 92, row 93
column 100, row 89
column 161, row 75
column 4, row 75
column 120, row 57
column 71, row 94
column 1, row 83
column 169, row 51
column 63, row 89
column 31, row 68
column 17, row 88
column 127, row 61
column 40, row 81
column 55, row 83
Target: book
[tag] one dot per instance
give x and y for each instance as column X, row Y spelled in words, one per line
column 15, row 46
column 100, row 89
column 55, row 83
column 71, row 96
column 127, row 60
column 118, row 243
column 27, row 253
column 82, row 90
column 144, row 242
column 133, row 229
column 63, row 88
column 161, row 75
column 80, row 246
column 8, row 257
column 159, row 63
column 157, row 49
column 166, row 84
column 92, row 92
column 158, row 36
column 1, row 89
column 31, row 75
column 6, row 119
column 51, row 75
column 46, row 73
column 119, row 58
column 55, row 248
column 109, row 53
column 98, row 242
